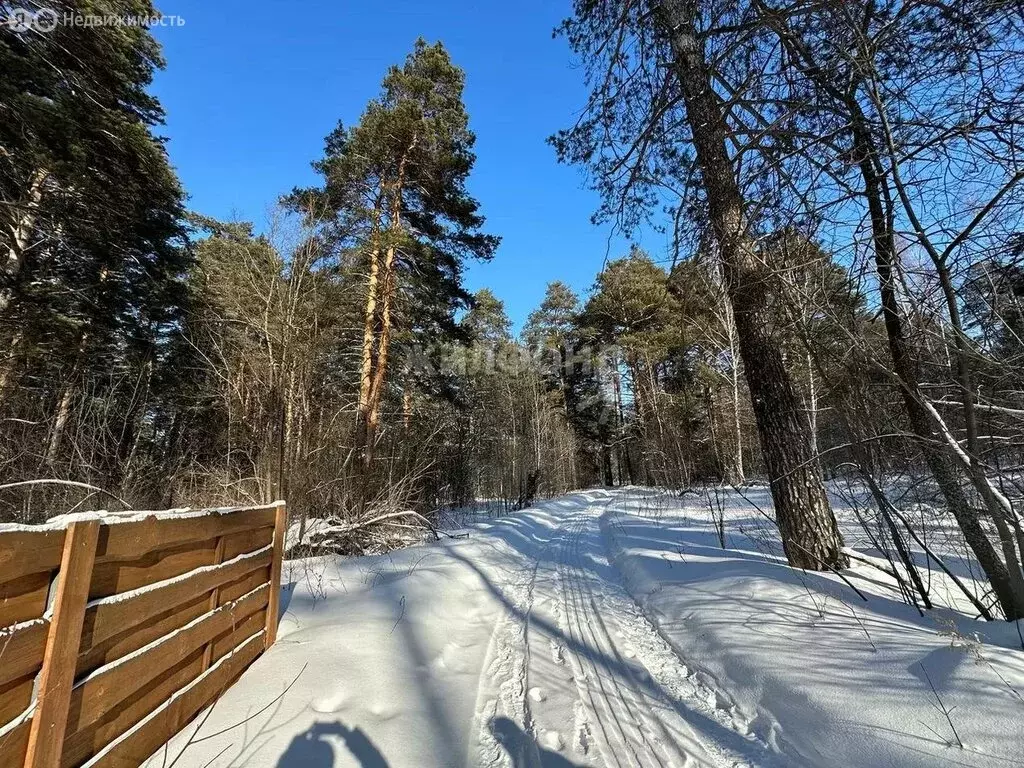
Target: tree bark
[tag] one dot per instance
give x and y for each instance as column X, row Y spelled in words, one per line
column 810, row 534
column 9, row 366
column 380, row 369
column 388, row 284
column 812, row 411
column 21, row 231
column 406, row 407
column 739, row 475
column 64, row 403
column 369, row 335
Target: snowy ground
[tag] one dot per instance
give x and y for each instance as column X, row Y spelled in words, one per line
column 609, row 628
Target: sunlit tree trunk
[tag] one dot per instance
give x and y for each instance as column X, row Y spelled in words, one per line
column 24, row 221
column 388, row 285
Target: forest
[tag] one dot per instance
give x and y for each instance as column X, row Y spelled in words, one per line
column 842, row 302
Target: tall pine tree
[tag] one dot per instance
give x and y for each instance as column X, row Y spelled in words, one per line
column 395, row 189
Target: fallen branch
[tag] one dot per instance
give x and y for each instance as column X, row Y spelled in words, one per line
column 854, row 556
column 351, row 527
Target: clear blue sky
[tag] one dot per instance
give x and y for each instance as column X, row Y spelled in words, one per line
column 251, row 89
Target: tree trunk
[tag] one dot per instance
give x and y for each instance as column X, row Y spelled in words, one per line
column 810, row 534
column 131, row 432
column 938, row 460
column 622, row 457
column 406, row 407
column 10, row 365
column 812, row 411
column 64, row 404
column 21, row 231
column 737, row 472
column 712, row 408
column 369, row 343
column 380, row 370
column 60, row 424
column 388, row 284
column 643, row 413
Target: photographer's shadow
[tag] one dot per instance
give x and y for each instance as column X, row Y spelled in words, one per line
column 312, row 750
column 522, row 749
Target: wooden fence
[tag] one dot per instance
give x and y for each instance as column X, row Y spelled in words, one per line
column 116, row 633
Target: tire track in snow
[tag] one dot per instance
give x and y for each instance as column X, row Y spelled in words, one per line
column 636, row 703
column 503, row 689
column 632, row 732
column 693, row 699
column 591, row 684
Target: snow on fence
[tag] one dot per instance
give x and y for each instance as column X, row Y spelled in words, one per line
column 118, row 631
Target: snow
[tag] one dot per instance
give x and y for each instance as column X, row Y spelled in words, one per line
column 6, row 633
column 17, row 722
column 610, row 628
column 107, row 517
column 823, row 676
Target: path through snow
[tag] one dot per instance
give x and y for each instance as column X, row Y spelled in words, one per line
column 562, row 636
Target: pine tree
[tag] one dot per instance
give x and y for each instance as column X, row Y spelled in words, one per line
column 92, row 245
column 552, row 322
column 655, row 120
column 633, row 310
column 550, row 332
column 395, row 184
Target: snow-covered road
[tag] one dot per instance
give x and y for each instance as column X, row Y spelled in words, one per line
column 578, row 634
column 576, row 669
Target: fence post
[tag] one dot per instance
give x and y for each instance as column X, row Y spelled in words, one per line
column 46, row 735
column 280, row 527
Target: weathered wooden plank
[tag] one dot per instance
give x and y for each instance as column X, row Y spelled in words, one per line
column 137, row 538
column 110, row 617
column 273, row 607
column 244, row 585
column 46, row 735
column 14, row 744
column 136, row 746
column 248, row 541
column 21, row 649
column 24, row 598
column 164, row 626
column 103, row 691
column 140, row 636
column 119, row 576
column 25, row 551
column 229, row 640
column 79, row 746
column 15, row 697
column 30, row 551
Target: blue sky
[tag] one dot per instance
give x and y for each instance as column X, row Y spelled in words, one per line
column 251, row 89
